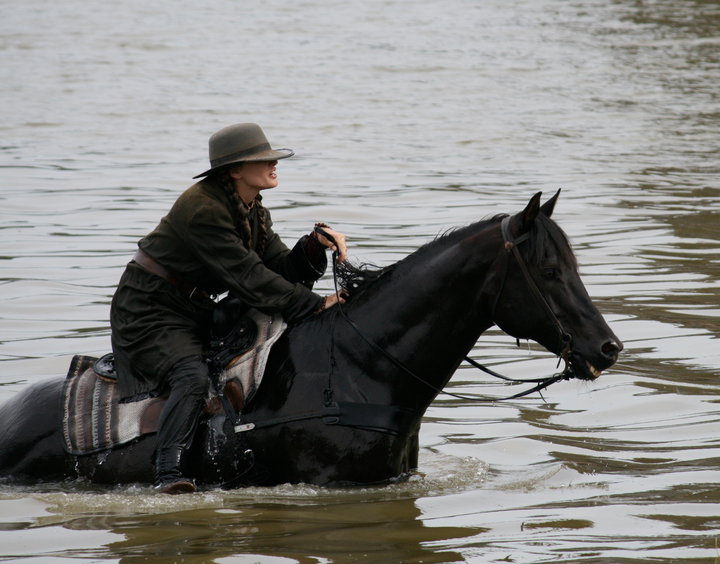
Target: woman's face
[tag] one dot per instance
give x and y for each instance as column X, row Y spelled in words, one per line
column 256, row 175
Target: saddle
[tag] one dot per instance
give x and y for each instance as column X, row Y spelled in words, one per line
column 95, row 420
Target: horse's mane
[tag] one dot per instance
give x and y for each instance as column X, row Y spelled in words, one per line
column 356, row 278
column 353, row 278
column 544, row 235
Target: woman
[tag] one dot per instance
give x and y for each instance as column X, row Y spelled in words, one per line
column 216, row 238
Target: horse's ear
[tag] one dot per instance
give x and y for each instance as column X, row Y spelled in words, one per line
column 528, row 215
column 547, row 208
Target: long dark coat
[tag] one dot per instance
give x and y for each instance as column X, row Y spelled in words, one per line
column 155, row 324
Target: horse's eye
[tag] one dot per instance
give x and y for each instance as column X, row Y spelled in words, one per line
column 550, row 273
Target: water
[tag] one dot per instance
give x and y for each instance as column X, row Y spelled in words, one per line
column 407, row 119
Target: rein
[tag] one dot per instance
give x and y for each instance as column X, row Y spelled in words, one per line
column 510, row 246
column 393, row 419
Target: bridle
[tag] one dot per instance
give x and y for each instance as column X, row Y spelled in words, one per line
column 396, row 419
column 510, row 248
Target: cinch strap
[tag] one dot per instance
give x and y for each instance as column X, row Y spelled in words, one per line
column 372, row 417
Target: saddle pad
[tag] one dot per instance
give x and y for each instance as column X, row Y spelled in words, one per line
column 249, row 368
column 93, row 420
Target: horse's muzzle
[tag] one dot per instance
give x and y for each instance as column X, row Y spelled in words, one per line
column 585, row 368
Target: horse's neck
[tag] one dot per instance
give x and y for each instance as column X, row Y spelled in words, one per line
column 430, row 312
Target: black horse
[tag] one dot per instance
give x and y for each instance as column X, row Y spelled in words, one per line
column 344, row 392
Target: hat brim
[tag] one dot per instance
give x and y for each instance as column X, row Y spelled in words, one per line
column 262, row 156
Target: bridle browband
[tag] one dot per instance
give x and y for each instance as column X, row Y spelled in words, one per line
column 510, row 247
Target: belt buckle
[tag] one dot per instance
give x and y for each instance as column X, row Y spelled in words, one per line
column 198, row 293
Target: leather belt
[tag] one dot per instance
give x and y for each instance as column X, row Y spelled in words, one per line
column 189, row 290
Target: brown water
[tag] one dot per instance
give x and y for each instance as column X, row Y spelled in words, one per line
column 408, row 118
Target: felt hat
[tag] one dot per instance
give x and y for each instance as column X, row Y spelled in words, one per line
column 240, row 143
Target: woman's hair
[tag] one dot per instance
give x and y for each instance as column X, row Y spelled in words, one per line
column 241, row 211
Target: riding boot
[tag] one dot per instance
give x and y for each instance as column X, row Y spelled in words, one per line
column 168, row 476
column 188, row 381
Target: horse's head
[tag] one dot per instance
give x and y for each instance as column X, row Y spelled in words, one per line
column 542, row 297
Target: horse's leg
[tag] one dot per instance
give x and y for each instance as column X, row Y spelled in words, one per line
column 31, row 444
column 413, row 451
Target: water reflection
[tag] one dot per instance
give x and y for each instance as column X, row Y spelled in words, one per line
column 306, row 533
column 296, row 524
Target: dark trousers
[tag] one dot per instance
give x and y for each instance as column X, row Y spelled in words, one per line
column 189, row 382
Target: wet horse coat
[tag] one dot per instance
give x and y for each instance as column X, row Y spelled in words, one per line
column 333, row 411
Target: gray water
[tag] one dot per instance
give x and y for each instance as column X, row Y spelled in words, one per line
column 407, row 119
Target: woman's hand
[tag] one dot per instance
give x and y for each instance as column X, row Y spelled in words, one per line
column 329, row 301
column 338, row 245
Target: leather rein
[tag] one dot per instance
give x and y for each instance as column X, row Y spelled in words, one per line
column 510, row 248
column 394, row 419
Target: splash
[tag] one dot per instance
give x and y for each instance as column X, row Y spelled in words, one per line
column 439, row 474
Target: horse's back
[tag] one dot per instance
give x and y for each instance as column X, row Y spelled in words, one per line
column 31, row 445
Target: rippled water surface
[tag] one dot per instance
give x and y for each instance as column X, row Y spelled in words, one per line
column 408, row 119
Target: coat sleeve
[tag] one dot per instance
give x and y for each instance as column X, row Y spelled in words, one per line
column 305, row 263
column 211, row 236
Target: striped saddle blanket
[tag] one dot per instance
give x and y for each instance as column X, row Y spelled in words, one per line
column 94, row 420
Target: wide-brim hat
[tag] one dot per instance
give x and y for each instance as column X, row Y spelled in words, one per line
column 241, row 143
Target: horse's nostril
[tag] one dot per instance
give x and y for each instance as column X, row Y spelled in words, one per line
column 612, row 348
